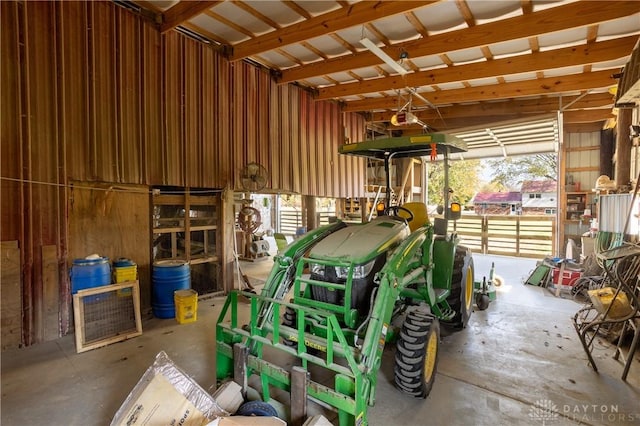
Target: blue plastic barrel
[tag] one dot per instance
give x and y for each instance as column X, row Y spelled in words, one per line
column 89, row 273
column 168, row 276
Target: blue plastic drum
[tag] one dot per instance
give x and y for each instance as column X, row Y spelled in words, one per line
column 168, row 276
column 90, row 273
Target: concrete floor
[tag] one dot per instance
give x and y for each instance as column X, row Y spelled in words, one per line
column 521, row 351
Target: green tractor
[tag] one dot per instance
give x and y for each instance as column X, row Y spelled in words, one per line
column 339, row 293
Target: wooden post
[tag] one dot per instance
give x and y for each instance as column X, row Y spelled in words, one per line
column 227, row 233
column 240, row 355
column 309, row 212
column 299, row 378
column 623, row 148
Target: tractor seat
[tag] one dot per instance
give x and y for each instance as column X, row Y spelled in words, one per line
column 420, row 215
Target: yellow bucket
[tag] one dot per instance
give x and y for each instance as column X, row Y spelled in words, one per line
column 603, row 301
column 186, row 302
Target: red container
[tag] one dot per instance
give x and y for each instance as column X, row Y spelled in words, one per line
column 568, row 277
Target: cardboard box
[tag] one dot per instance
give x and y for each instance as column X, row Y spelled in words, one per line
column 165, row 395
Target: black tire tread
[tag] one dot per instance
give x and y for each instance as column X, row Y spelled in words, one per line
column 456, row 298
column 410, row 354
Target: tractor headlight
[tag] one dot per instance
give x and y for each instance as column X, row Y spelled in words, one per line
column 317, row 269
column 359, row 271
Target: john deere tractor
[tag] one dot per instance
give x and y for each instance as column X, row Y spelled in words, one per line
column 337, row 295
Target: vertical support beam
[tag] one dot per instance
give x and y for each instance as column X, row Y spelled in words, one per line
column 226, row 234
column 299, row 379
column 240, row 355
column 309, row 214
column 607, row 144
column 187, row 225
column 623, row 147
column 561, row 195
column 364, row 207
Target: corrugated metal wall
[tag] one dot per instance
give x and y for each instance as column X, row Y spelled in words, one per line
column 93, row 93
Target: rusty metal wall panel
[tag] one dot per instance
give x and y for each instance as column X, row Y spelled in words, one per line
column 238, row 110
column 222, row 168
column 102, row 58
column 153, row 153
column 129, row 43
column 73, row 67
column 173, row 51
column 41, row 156
column 10, row 130
column 209, row 178
column 265, row 82
column 193, row 110
column 332, row 154
column 354, row 167
column 289, row 129
column 250, row 118
column 319, row 139
column 275, row 145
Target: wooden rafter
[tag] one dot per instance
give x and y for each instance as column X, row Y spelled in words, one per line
column 360, row 14
column 251, row 11
column 564, row 17
column 419, row 26
column 463, row 7
column 182, row 12
column 229, row 23
column 537, row 87
column 557, row 58
column 298, row 9
column 510, row 107
column 343, row 42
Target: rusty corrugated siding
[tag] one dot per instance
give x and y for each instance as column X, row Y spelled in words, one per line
column 172, row 144
column 153, row 130
column 129, row 96
column 10, row 126
column 92, row 93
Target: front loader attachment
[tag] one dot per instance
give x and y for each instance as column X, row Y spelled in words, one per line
column 241, row 353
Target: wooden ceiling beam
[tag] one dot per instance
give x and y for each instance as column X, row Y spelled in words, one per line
column 182, row 12
column 569, row 56
column 537, row 87
column 587, row 115
column 512, row 107
column 572, row 15
column 358, row 14
column 570, row 118
column 250, row 10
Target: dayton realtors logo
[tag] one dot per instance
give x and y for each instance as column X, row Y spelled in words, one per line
column 547, row 412
column 544, row 411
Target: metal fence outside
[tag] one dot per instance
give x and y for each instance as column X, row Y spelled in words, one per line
column 520, row 236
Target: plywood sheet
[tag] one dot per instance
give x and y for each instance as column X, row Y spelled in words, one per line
column 50, row 293
column 11, row 301
column 112, row 221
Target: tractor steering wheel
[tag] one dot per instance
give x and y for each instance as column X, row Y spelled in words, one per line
column 394, row 210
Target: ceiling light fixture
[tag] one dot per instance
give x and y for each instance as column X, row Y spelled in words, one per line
column 373, row 48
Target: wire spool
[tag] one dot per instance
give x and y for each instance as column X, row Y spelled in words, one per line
column 249, row 219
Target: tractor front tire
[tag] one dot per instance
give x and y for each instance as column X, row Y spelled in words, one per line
column 417, row 354
column 462, row 288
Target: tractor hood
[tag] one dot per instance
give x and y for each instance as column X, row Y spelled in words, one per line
column 361, row 243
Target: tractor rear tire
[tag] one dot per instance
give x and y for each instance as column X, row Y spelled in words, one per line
column 462, row 288
column 417, row 354
column 289, row 319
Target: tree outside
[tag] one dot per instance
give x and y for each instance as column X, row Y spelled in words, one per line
column 509, row 173
column 464, row 181
column 468, row 177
